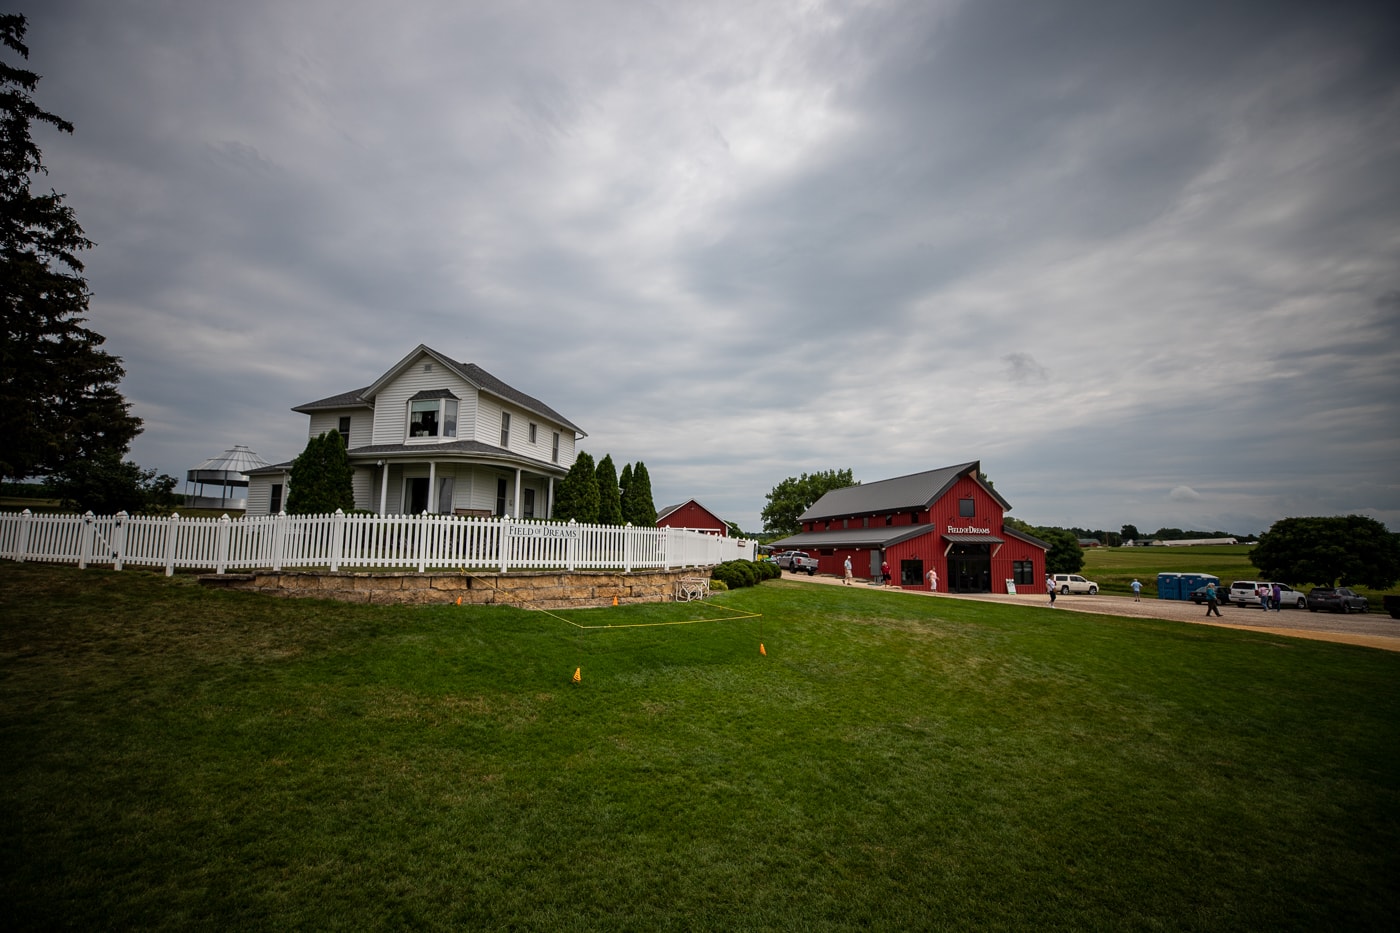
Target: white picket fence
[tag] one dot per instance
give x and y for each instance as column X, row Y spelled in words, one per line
column 356, row 542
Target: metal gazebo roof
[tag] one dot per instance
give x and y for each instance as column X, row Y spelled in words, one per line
column 231, row 465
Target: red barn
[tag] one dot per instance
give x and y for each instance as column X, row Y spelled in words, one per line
column 948, row 521
column 693, row 515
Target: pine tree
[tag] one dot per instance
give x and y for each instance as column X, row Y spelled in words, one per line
column 637, row 506
column 322, row 479
column 609, row 496
column 58, row 391
column 578, row 492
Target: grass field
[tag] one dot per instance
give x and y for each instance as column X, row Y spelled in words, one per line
column 175, row 757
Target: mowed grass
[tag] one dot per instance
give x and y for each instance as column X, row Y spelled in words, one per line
column 175, row 757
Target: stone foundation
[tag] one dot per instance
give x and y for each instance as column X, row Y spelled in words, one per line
column 548, row 589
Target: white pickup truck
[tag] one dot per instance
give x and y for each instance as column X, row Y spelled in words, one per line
column 798, row 562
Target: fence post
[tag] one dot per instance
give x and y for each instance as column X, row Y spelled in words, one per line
column 504, row 539
column 338, row 540
column 118, row 542
column 26, row 518
column 85, row 540
column 279, row 538
column 172, row 531
column 571, row 554
column 224, row 543
column 420, row 522
column 627, row 548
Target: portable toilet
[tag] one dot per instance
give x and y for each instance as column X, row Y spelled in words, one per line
column 1190, row 582
column 1169, row 586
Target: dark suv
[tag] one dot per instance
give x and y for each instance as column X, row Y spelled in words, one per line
column 1336, row 599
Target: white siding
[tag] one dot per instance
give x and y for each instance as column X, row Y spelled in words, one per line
column 391, row 405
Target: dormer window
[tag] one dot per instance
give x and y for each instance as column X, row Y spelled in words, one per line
column 432, row 414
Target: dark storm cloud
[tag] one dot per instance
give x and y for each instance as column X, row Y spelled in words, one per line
column 1111, row 249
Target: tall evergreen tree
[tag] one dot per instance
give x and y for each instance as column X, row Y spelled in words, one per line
column 578, row 492
column 58, row 390
column 623, row 482
column 637, row 506
column 609, row 496
column 321, row 479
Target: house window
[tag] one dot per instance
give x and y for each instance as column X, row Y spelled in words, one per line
column 505, row 429
column 555, row 455
column 276, row 499
column 528, row 509
column 533, row 427
column 432, row 417
column 967, row 508
column 500, row 496
column 345, row 431
column 1023, row 572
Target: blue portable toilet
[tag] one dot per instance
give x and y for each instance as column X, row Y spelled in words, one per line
column 1190, row 582
column 1169, row 586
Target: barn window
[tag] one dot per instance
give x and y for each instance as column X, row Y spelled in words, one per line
column 967, row 508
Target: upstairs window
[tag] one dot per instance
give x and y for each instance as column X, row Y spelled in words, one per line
column 967, row 508
column 432, row 417
column 505, row 429
column 533, row 428
column 555, row 456
column 344, row 430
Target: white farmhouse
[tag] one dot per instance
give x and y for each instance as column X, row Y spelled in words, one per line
column 434, row 435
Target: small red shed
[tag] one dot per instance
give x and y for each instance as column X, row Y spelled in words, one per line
column 947, row 521
column 693, row 515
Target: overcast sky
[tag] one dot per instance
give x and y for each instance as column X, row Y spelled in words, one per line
column 1140, row 259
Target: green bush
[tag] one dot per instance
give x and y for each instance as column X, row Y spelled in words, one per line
column 736, row 573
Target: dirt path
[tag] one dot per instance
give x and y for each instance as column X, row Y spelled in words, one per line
column 1373, row 630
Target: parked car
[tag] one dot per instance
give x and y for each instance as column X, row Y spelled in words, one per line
column 798, row 562
column 1068, row 583
column 1336, row 599
column 1245, row 592
column 1222, row 595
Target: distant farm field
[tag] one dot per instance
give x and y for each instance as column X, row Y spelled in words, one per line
column 179, row 758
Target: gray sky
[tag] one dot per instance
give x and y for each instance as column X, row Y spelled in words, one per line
column 1141, row 259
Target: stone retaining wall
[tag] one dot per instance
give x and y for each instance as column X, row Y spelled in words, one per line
column 549, row 589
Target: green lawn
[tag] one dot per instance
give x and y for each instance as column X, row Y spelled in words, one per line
column 176, row 758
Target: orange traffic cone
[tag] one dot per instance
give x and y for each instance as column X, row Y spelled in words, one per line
column 761, row 650
column 578, row 675
column 459, row 600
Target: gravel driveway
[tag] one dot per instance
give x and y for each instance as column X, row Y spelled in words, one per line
column 1374, row 630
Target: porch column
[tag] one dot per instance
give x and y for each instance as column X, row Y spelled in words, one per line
column 432, row 487
column 517, row 493
column 549, row 502
column 383, row 487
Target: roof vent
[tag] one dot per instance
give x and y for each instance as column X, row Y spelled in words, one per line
column 427, row 367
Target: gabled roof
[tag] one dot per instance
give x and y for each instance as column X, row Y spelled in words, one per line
column 661, row 515
column 915, row 491
column 472, row 373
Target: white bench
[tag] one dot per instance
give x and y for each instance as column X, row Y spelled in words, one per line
column 688, row 588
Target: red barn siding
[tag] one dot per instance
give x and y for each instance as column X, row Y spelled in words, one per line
column 694, row 515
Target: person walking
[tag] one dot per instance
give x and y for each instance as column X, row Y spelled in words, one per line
column 884, row 573
column 1277, row 596
column 933, row 580
column 847, row 567
column 1262, row 591
column 1212, row 600
column 1050, row 588
column 1137, row 592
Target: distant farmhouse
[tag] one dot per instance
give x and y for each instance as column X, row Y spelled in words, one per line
column 946, row 520
column 693, row 515
column 435, row 435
